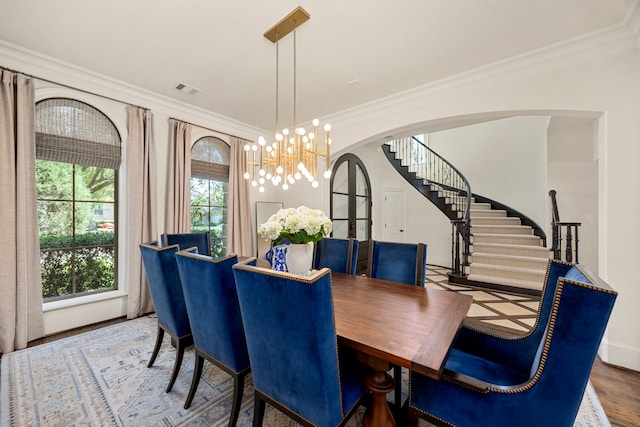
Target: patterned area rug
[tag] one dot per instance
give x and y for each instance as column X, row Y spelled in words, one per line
column 100, row 378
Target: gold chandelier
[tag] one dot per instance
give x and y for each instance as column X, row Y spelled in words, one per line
column 292, row 156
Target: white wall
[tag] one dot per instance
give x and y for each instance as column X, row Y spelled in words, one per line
column 573, row 173
column 504, row 160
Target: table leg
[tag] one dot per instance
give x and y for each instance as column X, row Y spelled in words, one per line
column 378, row 414
column 380, row 383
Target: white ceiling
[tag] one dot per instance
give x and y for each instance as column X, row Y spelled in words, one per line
column 350, row 52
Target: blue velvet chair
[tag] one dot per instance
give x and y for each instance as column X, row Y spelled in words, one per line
column 296, row 363
column 166, row 292
column 398, row 262
column 403, row 263
column 480, row 391
column 187, row 240
column 340, row 255
column 515, row 350
column 214, row 313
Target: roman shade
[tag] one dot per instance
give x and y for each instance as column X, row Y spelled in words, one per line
column 210, row 159
column 71, row 131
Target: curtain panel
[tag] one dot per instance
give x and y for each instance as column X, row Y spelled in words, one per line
column 178, row 208
column 141, row 205
column 240, row 228
column 21, row 317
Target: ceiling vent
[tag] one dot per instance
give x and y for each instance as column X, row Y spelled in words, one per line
column 187, row 89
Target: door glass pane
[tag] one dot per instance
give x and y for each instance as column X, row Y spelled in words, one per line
column 362, row 229
column 341, row 179
column 341, row 228
column 361, row 183
column 362, row 204
column 341, row 206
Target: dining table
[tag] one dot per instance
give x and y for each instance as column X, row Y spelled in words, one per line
column 393, row 323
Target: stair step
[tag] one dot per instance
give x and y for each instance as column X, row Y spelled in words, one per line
column 509, row 220
column 509, row 239
column 481, row 206
column 534, row 263
column 482, row 213
column 526, row 284
column 515, row 250
column 501, row 229
column 525, row 274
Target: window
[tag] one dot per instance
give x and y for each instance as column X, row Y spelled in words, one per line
column 77, row 160
column 210, row 190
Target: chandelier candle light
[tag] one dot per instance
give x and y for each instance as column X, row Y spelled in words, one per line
column 291, row 156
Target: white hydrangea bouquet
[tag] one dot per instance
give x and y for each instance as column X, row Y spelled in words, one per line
column 299, row 225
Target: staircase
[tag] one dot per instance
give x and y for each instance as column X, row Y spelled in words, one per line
column 499, row 247
column 504, row 252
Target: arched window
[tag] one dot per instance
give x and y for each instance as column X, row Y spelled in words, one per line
column 78, row 152
column 209, row 190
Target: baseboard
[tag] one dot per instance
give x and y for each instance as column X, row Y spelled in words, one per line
column 620, row 355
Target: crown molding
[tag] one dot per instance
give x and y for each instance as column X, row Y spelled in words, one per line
column 51, row 69
column 617, row 39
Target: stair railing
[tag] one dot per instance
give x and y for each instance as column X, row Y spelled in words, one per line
column 570, row 233
column 441, row 176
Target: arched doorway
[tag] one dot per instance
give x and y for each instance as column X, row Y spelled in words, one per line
column 350, row 204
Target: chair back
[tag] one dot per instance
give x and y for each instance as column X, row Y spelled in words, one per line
column 398, row 262
column 580, row 311
column 166, row 289
column 290, row 330
column 187, row 240
column 519, row 351
column 339, row 255
column 212, row 304
column 553, row 384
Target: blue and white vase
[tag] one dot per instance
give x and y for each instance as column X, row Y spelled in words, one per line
column 277, row 257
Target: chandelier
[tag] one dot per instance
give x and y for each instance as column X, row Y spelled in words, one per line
column 291, row 156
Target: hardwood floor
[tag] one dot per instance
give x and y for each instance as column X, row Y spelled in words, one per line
column 619, row 392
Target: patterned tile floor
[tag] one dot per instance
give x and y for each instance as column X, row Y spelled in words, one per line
column 517, row 312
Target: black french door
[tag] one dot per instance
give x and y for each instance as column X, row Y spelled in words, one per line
column 350, row 204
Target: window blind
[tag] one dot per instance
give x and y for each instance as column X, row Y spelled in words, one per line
column 71, row 131
column 210, row 158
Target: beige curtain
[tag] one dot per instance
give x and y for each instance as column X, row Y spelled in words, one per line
column 239, row 226
column 178, row 209
column 21, row 318
column 141, row 205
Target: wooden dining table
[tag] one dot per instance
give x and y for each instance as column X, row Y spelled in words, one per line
column 392, row 323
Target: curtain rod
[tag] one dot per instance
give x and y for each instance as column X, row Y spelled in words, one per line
column 206, row 128
column 71, row 87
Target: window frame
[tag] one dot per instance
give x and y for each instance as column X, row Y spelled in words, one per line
column 215, row 172
column 73, row 297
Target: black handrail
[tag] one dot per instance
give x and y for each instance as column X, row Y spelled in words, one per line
column 571, row 233
column 434, row 171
